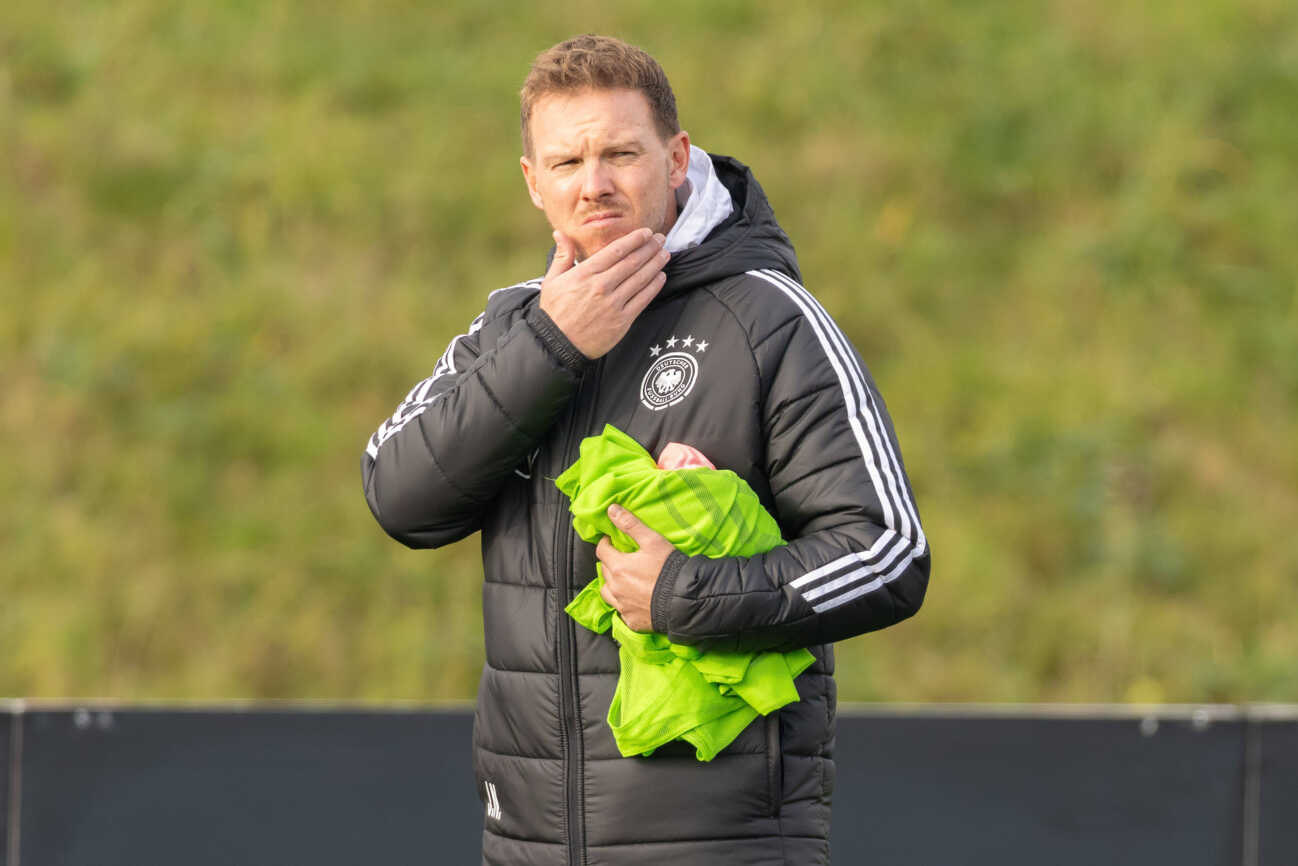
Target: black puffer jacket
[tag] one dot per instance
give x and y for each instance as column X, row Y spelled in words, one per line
column 735, row 358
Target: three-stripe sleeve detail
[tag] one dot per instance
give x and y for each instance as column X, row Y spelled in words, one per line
column 421, row 396
column 859, row 572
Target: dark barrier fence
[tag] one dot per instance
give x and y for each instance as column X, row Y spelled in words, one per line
column 108, row 784
column 113, row 785
column 8, row 745
column 998, row 789
column 1273, row 756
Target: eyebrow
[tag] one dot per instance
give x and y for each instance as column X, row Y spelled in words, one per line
column 560, row 155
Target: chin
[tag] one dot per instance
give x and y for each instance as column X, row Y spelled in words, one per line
column 591, row 242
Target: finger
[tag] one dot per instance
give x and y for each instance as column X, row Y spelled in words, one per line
column 649, row 277
column 620, row 249
column 633, row 307
column 607, row 594
column 564, row 255
column 637, row 267
column 604, row 550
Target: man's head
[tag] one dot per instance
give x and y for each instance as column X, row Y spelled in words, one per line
column 603, row 151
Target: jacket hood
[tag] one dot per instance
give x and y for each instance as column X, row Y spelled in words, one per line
column 750, row 238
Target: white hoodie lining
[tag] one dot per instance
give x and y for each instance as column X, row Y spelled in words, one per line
column 706, row 206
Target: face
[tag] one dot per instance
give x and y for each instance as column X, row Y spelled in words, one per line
column 599, row 168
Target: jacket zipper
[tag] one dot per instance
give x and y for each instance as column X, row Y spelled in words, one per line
column 774, row 763
column 565, row 633
column 569, row 733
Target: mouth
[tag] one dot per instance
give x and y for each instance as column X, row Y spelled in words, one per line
column 602, row 217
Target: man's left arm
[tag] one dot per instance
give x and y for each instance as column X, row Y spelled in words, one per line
column 857, row 558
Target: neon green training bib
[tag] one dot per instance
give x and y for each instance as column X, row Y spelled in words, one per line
column 668, row 691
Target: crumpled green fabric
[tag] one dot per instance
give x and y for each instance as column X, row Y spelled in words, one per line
column 668, row 691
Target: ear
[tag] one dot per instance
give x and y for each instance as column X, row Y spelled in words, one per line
column 529, row 175
column 678, row 158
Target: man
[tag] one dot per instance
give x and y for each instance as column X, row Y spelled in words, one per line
column 673, row 310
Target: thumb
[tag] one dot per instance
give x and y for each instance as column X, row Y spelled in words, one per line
column 630, row 524
column 564, row 255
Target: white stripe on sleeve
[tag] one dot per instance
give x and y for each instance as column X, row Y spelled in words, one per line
column 903, row 540
column 421, row 396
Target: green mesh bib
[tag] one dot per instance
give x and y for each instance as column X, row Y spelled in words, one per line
column 667, row 691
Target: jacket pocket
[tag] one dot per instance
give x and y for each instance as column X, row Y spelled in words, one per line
column 774, row 763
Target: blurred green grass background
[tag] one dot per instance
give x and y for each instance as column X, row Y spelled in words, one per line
column 1064, row 235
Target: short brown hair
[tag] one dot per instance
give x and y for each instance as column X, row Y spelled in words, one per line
column 602, row 63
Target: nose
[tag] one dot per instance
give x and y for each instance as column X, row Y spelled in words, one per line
column 597, row 180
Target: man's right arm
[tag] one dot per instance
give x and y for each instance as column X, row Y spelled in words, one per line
column 431, row 469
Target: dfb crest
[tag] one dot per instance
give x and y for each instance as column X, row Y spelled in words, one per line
column 672, row 376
